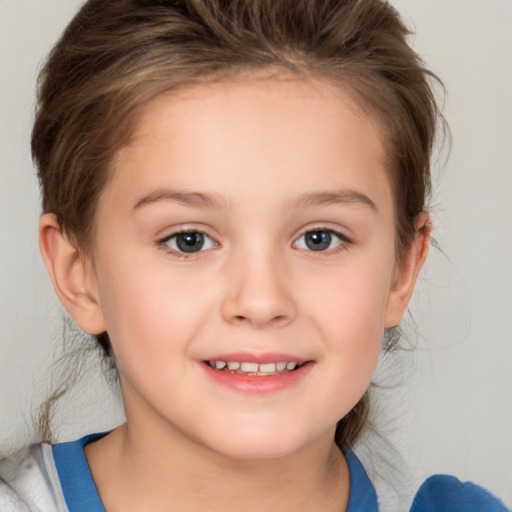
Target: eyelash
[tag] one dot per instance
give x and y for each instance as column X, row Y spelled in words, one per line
column 164, row 243
column 342, row 242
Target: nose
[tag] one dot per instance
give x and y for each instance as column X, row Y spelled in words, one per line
column 259, row 293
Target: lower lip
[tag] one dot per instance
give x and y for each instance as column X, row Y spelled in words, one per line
column 252, row 384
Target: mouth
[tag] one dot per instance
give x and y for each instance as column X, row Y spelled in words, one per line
column 257, row 374
column 254, row 369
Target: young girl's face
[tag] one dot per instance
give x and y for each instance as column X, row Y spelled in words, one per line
column 248, row 225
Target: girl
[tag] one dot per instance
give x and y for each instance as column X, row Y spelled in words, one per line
column 234, row 205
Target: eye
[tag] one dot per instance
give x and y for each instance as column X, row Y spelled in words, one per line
column 320, row 240
column 189, row 242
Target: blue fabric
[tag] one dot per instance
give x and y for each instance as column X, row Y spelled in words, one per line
column 81, row 494
column 439, row 493
column 75, row 477
column 444, row 493
column 362, row 493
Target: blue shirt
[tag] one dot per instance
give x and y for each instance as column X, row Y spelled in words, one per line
column 439, row 493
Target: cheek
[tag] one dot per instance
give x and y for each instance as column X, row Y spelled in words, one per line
column 354, row 298
column 148, row 310
column 349, row 310
column 152, row 318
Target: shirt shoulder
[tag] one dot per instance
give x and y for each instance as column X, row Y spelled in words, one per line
column 29, row 482
column 444, row 493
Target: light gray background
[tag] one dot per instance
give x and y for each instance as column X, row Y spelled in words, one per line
column 454, row 410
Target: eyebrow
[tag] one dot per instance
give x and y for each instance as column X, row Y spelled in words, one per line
column 214, row 201
column 196, row 199
column 337, row 197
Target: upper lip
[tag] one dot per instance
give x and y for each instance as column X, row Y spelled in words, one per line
column 260, row 358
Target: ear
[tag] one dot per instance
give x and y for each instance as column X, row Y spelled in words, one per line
column 72, row 275
column 406, row 272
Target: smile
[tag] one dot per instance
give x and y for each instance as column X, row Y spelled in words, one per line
column 254, row 369
column 257, row 374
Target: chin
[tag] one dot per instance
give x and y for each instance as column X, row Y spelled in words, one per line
column 261, row 443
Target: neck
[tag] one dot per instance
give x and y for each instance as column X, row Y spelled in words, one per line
column 164, row 473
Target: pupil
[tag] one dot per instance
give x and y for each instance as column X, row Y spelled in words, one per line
column 189, row 242
column 318, row 240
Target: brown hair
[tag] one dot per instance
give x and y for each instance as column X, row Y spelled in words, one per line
column 116, row 55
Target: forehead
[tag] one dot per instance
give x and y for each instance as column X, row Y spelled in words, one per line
column 247, row 126
column 251, row 94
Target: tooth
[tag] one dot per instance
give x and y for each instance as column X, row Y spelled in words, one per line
column 233, row 365
column 220, row 364
column 280, row 366
column 249, row 367
column 291, row 366
column 267, row 367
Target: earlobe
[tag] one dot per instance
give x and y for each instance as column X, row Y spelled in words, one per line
column 407, row 272
column 72, row 275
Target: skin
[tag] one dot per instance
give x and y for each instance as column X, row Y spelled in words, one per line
column 272, row 160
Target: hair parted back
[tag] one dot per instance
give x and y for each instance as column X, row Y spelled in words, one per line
column 116, row 55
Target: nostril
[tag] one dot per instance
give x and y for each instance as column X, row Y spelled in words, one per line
column 280, row 319
column 276, row 321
